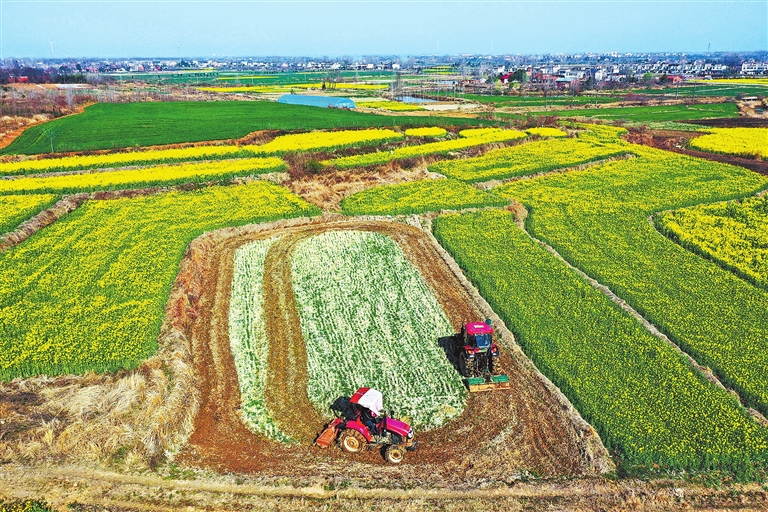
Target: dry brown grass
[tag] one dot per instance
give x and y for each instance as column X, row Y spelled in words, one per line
column 328, row 189
column 132, row 417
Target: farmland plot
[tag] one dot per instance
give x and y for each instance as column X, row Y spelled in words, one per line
column 734, row 233
column 746, row 142
column 598, row 220
column 248, row 336
column 120, row 125
column 529, row 158
column 643, row 397
column 369, row 319
column 16, row 209
column 138, row 178
column 417, row 197
column 283, row 144
column 432, row 148
column 88, row 292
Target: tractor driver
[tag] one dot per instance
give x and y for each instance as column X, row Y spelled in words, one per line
column 369, row 419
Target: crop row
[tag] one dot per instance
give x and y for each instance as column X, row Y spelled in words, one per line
column 418, row 197
column 432, row 148
column 280, row 145
column 426, row 132
column 598, row 220
column 734, row 233
column 545, row 131
column 642, row 396
column 525, row 159
column 369, row 319
column 746, row 142
column 88, row 292
column 16, row 209
column 137, row 178
column 248, row 336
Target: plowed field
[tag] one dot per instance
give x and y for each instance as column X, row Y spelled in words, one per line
column 499, row 435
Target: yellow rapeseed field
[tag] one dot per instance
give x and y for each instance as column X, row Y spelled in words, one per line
column 747, row 142
column 426, row 132
column 137, row 178
column 88, row 292
column 283, row 144
column 16, row 209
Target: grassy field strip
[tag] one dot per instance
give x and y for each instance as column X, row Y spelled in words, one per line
column 89, row 291
column 597, row 220
column 432, row 148
column 529, row 158
column 122, row 125
column 641, row 114
column 369, row 319
column 248, row 336
column 643, row 397
column 746, row 142
column 280, row 145
column 418, row 197
column 170, row 174
column 16, row 209
column 733, row 234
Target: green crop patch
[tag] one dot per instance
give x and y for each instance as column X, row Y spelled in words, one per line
column 598, row 220
column 369, row 319
column 645, row 114
column 120, row 125
column 642, row 396
column 248, row 336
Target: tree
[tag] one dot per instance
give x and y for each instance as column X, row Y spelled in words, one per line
column 52, row 132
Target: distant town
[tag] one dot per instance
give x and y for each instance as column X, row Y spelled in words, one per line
column 563, row 70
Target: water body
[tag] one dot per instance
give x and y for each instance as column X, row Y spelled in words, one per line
column 413, row 99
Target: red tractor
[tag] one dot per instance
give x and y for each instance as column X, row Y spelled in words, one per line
column 363, row 427
column 479, row 357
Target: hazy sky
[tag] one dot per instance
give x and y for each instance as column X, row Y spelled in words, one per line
column 123, row 28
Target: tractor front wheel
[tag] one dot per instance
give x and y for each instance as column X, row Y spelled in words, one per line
column 394, row 454
column 352, row 441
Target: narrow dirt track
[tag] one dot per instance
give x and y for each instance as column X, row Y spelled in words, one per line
column 499, row 433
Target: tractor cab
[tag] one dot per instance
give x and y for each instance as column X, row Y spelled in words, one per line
column 478, row 334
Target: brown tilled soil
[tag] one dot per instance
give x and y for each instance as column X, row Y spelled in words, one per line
column 731, row 122
column 677, row 142
column 500, row 435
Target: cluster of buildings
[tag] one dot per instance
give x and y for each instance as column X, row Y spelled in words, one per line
column 560, row 69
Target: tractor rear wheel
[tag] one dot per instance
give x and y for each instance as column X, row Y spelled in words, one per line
column 352, row 441
column 467, row 366
column 394, row 454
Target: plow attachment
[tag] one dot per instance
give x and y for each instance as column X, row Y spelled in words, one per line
column 328, row 435
column 476, row 384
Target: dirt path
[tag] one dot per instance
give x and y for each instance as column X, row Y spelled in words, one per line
column 86, row 489
column 499, row 435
